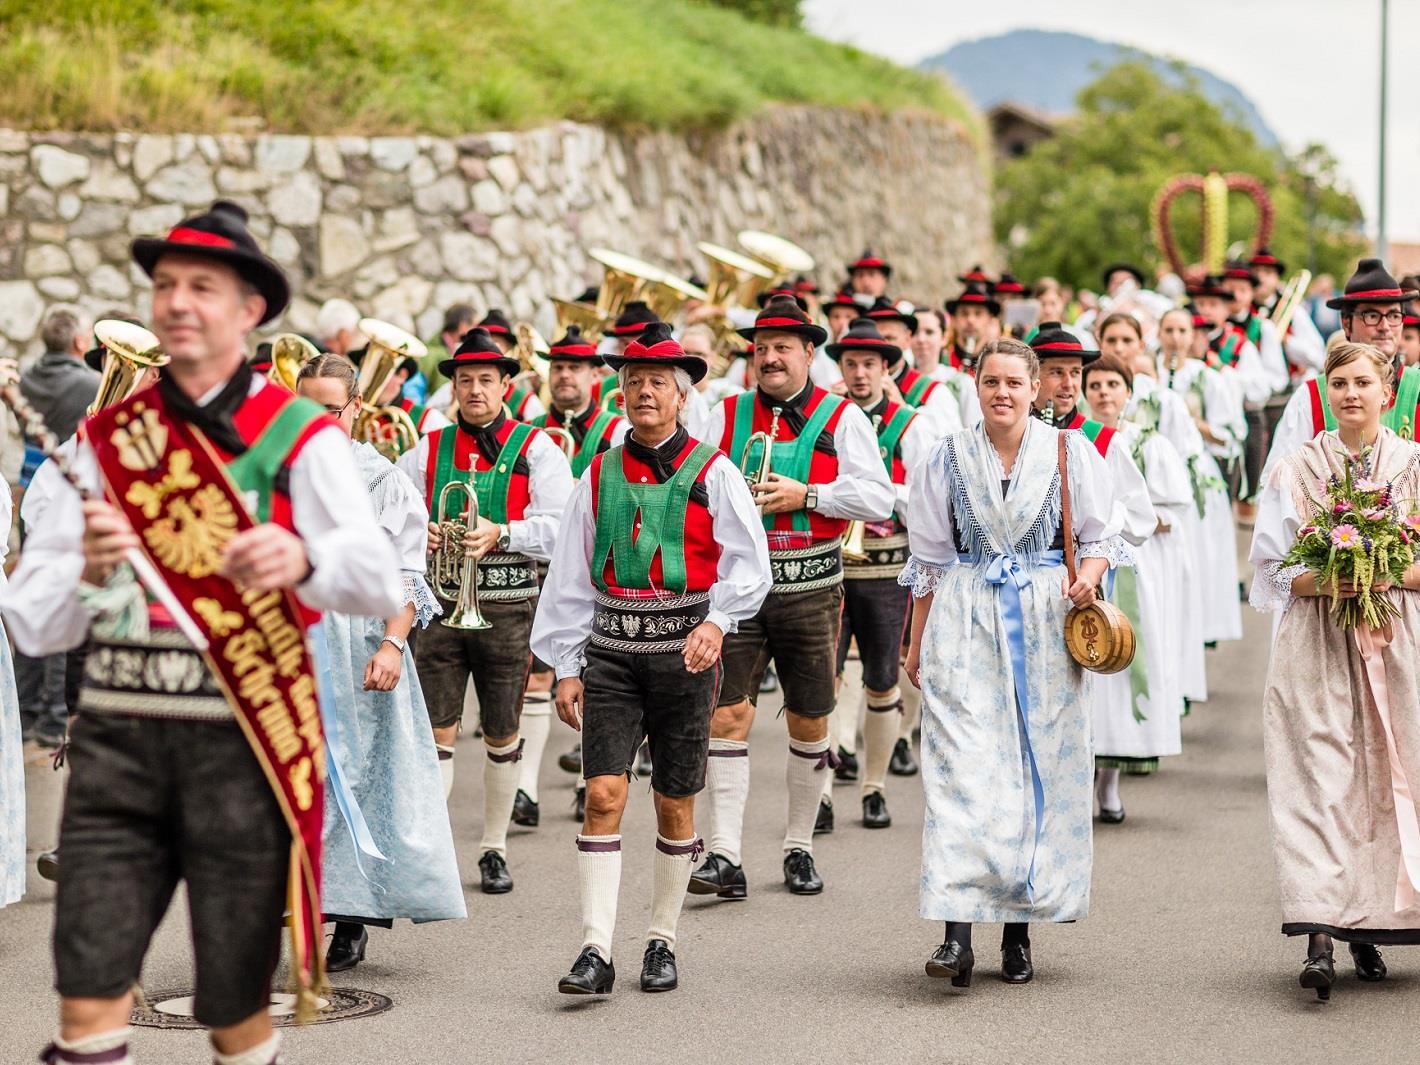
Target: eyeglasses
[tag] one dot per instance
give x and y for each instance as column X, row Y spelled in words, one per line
column 1374, row 317
column 338, row 411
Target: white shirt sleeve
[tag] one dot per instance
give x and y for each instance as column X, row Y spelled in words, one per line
column 1274, row 362
column 1170, row 487
column 1273, row 534
column 443, row 396
column 1096, row 514
column 916, row 445
column 414, row 464
column 1304, row 345
column 743, row 576
column 550, row 485
column 941, row 411
column 405, row 519
column 697, row 414
column 862, row 490
column 931, row 534
column 1293, row 430
column 45, row 486
column 1253, row 376
column 434, row 419
column 1137, row 520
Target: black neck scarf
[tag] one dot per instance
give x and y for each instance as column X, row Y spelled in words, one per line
column 214, row 419
column 485, row 437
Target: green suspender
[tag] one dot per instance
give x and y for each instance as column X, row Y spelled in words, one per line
column 491, row 486
column 1091, row 429
column 1254, row 330
column 517, row 398
column 1228, row 350
column 791, row 458
column 918, row 389
column 661, row 508
column 592, row 442
column 255, row 469
column 890, row 435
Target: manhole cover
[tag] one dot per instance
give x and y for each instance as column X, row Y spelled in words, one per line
column 172, row 1008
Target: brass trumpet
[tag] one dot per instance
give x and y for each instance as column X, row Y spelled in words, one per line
column 388, row 428
column 131, row 350
column 289, row 353
column 756, row 471
column 451, row 572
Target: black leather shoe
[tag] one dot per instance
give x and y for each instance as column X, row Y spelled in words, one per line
column 658, row 972
column 902, row 763
column 800, row 874
column 347, row 947
column 494, row 872
column 719, row 876
column 1112, row 817
column 579, row 804
column 643, row 761
column 823, row 822
column 1370, row 966
column 875, row 811
column 590, row 975
column 1016, row 967
column 571, row 761
column 952, row 961
column 524, row 810
column 47, row 864
column 847, row 769
column 1318, row 974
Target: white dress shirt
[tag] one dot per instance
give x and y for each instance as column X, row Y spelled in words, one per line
column 354, row 566
column 563, row 623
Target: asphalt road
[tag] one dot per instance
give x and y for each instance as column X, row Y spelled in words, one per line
column 1181, row 959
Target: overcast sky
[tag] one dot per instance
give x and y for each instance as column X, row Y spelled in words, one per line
column 1310, row 66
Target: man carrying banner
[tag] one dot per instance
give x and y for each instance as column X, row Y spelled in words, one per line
column 198, row 754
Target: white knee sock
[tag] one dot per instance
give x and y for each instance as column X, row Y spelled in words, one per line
column 500, row 784
column 727, row 783
column 534, row 727
column 912, row 714
column 267, row 1053
column 82, row 1050
column 446, row 766
column 674, row 860
column 880, row 729
column 599, row 881
column 1107, row 788
column 806, row 760
column 833, row 718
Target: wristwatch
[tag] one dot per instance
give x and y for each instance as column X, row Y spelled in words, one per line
column 504, row 540
column 399, row 645
column 811, row 497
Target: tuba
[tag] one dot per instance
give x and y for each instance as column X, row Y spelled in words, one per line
column 626, row 279
column 131, row 350
column 531, row 351
column 782, row 256
column 388, row 428
column 735, row 281
column 289, row 353
column 451, row 572
column 757, row 470
column 582, row 315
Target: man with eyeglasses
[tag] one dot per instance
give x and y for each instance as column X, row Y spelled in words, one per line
column 1372, row 312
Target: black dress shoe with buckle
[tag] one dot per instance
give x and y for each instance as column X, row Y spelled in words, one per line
column 1318, row 974
column 847, row 770
column 823, row 821
column 571, row 761
column 875, row 811
column 525, row 811
column 1112, row 817
column 347, row 947
column 902, row 763
column 658, row 971
column 47, row 865
column 800, row 874
column 579, row 804
column 1016, row 967
column 1370, row 966
column 952, row 961
column 590, row 975
column 719, row 876
column 493, row 871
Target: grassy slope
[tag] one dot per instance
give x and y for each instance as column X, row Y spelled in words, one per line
column 438, row 66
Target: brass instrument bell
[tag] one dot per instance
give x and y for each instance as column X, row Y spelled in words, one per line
column 626, row 278
column 782, row 256
column 130, row 349
column 388, row 428
column 452, row 558
column 289, row 353
column 756, row 470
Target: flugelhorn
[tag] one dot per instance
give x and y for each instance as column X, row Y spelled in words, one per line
column 388, row 428
column 289, row 353
column 451, row 571
column 131, row 350
column 757, row 470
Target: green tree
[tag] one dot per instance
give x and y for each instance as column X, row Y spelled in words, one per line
column 1082, row 199
column 772, row 12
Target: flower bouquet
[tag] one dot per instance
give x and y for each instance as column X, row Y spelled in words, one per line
column 1358, row 536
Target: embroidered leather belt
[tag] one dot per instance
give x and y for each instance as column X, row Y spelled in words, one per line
column 647, row 626
column 807, row 569
column 507, row 578
column 162, row 676
column 884, row 556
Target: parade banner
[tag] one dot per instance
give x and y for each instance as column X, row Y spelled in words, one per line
column 170, row 484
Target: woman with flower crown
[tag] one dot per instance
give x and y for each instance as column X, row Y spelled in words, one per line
column 1341, row 714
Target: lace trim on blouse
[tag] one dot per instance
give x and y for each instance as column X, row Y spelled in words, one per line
column 417, row 591
column 1116, row 551
column 1272, row 585
column 921, row 577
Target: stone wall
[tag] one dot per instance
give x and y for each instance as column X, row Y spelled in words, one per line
column 408, row 225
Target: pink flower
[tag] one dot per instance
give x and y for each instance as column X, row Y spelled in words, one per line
column 1345, row 537
column 1374, row 513
column 1366, row 485
column 1413, row 520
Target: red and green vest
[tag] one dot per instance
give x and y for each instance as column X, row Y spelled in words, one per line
column 650, row 536
column 795, row 457
column 416, row 412
column 518, row 398
column 895, row 419
column 1228, row 344
column 501, row 486
column 1400, row 417
column 1098, row 433
column 593, row 439
column 611, row 398
column 915, row 386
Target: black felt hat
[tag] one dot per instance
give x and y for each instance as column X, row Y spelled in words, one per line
column 1237, row 270
column 842, row 298
column 863, row 335
column 220, row 234
column 977, row 275
column 885, row 310
column 477, row 348
column 783, row 290
column 782, row 314
column 1371, row 283
column 870, row 260
column 975, row 294
column 1009, row 284
column 1052, row 340
column 1129, row 268
column 496, row 322
column 1211, row 285
column 1264, row 257
column 656, row 347
column 634, row 319
column 574, row 347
